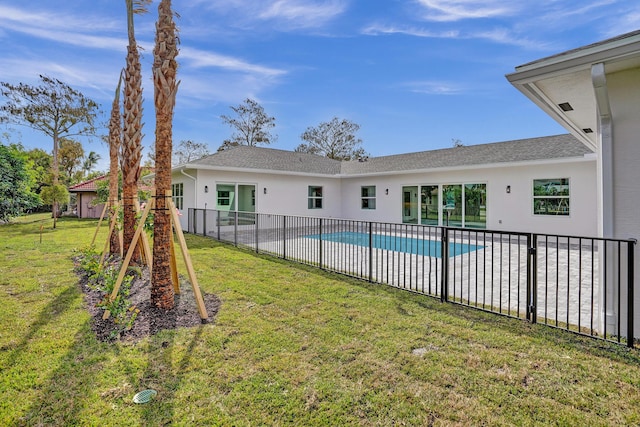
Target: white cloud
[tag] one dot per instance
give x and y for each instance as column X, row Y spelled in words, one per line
column 283, row 14
column 51, row 21
column 435, row 87
column 377, row 29
column 199, row 59
column 497, row 35
column 455, row 10
column 302, row 13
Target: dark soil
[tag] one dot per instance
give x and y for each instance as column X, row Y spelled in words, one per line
column 150, row 319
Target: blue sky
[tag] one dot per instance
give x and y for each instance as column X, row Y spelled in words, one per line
column 414, row 74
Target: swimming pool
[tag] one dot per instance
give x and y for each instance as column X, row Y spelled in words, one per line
column 396, row 243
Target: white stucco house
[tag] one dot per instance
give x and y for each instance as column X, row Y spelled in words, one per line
column 584, row 183
column 540, row 184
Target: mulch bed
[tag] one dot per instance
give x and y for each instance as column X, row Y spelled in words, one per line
column 150, row 319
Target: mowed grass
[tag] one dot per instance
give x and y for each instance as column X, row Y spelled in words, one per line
column 291, row 346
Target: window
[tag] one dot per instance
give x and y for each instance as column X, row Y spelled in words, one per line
column 315, row 197
column 368, row 194
column 177, row 194
column 551, row 196
column 225, row 197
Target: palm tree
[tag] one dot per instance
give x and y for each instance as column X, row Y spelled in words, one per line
column 115, row 140
column 165, row 87
column 89, row 162
column 132, row 135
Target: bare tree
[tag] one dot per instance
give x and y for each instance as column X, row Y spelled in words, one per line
column 165, row 70
column 252, row 126
column 188, row 151
column 53, row 108
column 335, row 139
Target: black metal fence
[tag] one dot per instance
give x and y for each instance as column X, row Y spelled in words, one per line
column 580, row 284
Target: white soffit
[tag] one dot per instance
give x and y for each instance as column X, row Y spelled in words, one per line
column 566, row 78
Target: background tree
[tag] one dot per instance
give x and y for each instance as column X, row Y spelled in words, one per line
column 71, row 155
column 252, row 125
column 165, row 69
column 89, row 162
column 56, row 194
column 335, row 139
column 132, row 135
column 40, row 165
column 189, row 150
column 16, row 194
column 455, row 142
column 53, row 108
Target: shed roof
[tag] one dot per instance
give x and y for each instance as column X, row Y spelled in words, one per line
column 89, row 185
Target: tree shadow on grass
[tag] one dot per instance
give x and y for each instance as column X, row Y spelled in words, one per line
column 165, row 376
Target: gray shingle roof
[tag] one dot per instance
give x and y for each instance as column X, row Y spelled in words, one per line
column 268, row 159
column 544, row 148
column 244, row 157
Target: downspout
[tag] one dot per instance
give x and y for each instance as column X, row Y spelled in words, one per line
column 605, row 193
column 195, row 188
column 605, row 164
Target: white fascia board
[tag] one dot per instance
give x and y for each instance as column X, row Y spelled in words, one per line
column 247, row 170
column 578, row 59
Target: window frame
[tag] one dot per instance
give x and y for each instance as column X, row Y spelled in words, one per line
column 367, row 198
column 557, row 191
column 177, row 195
column 313, row 199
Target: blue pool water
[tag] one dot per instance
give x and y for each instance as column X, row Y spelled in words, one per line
column 396, row 243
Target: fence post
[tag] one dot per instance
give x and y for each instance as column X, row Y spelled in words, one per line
column 235, row 228
column 284, row 237
column 204, row 222
column 218, row 223
column 532, row 278
column 257, row 220
column 630, row 284
column 370, row 252
column 195, row 221
column 320, row 240
column 444, row 285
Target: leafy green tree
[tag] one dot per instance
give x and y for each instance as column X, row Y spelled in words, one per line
column 55, row 195
column 40, row 165
column 335, row 139
column 16, row 195
column 71, row 155
column 252, row 126
column 53, row 108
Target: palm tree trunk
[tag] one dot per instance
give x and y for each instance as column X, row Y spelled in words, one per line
column 165, row 87
column 132, row 137
column 115, row 140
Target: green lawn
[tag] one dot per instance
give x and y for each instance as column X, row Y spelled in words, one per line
column 291, row 345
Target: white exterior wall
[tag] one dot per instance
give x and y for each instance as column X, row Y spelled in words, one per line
column 624, row 93
column 286, row 194
column 509, row 212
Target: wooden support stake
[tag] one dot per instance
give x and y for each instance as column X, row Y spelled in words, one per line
column 187, row 260
column 143, row 242
column 112, row 226
column 174, row 266
column 127, row 259
column 93, row 241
